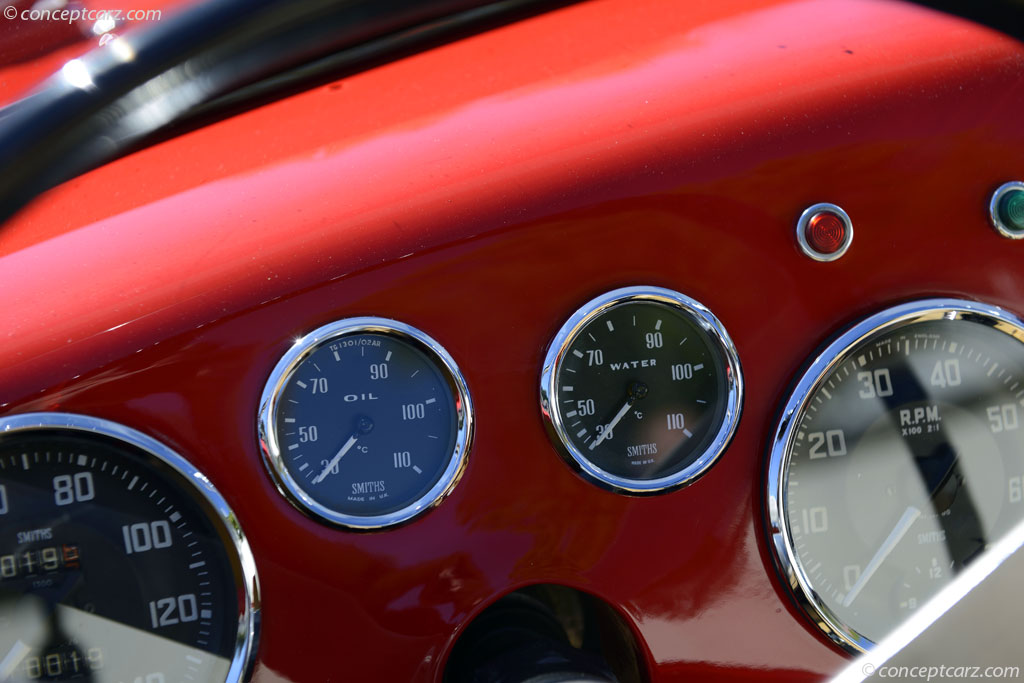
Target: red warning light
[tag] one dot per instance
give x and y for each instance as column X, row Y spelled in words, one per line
column 826, row 232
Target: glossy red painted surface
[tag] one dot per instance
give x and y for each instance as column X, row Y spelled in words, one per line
column 482, row 191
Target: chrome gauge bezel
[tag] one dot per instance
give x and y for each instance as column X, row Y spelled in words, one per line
column 835, row 354
column 301, row 350
column 555, row 423
column 195, row 484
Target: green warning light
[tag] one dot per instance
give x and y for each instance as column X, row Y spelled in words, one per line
column 1011, row 210
column 1007, row 210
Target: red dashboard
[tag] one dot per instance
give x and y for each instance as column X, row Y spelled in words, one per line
column 482, row 191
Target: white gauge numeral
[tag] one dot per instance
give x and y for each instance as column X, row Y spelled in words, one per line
column 77, row 489
column 595, row 357
column 333, row 469
column 815, row 520
column 138, row 538
column 946, row 373
column 402, row 459
column 682, row 371
column 1003, row 418
column 307, row 434
column 876, row 384
column 586, row 407
column 654, row 340
column 831, row 443
column 413, row 411
column 379, row 371
column 675, row 421
column 3, row 500
column 1016, row 489
column 319, row 385
column 602, row 430
column 171, row 611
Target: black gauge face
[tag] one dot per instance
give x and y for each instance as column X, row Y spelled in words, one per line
column 643, row 392
column 905, row 463
column 111, row 568
column 369, row 424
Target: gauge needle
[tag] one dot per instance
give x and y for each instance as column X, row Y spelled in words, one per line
column 10, row 663
column 635, row 392
column 611, row 425
column 895, row 536
column 334, row 461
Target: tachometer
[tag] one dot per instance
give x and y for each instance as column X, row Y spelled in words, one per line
column 118, row 560
column 366, row 423
column 898, row 460
column 641, row 390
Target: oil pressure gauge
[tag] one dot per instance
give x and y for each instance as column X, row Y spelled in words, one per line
column 641, row 390
column 365, row 423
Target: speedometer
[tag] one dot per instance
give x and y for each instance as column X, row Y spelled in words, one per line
column 898, row 460
column 118, row 560
column 641, row 390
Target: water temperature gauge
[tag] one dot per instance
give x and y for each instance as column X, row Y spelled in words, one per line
column 365, row 423
column 641, row 390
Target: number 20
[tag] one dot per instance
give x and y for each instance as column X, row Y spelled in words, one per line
column 834, row 441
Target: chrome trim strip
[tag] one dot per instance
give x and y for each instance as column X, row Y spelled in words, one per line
column 801, row 232
column 217, row 510
column 993, row 210
column 303, row 349
column 835, row 354
column 559, row 346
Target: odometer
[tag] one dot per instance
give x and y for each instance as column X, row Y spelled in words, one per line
column 118, row 560
column 365, row 423
column 899, row 459
column 641, row 390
